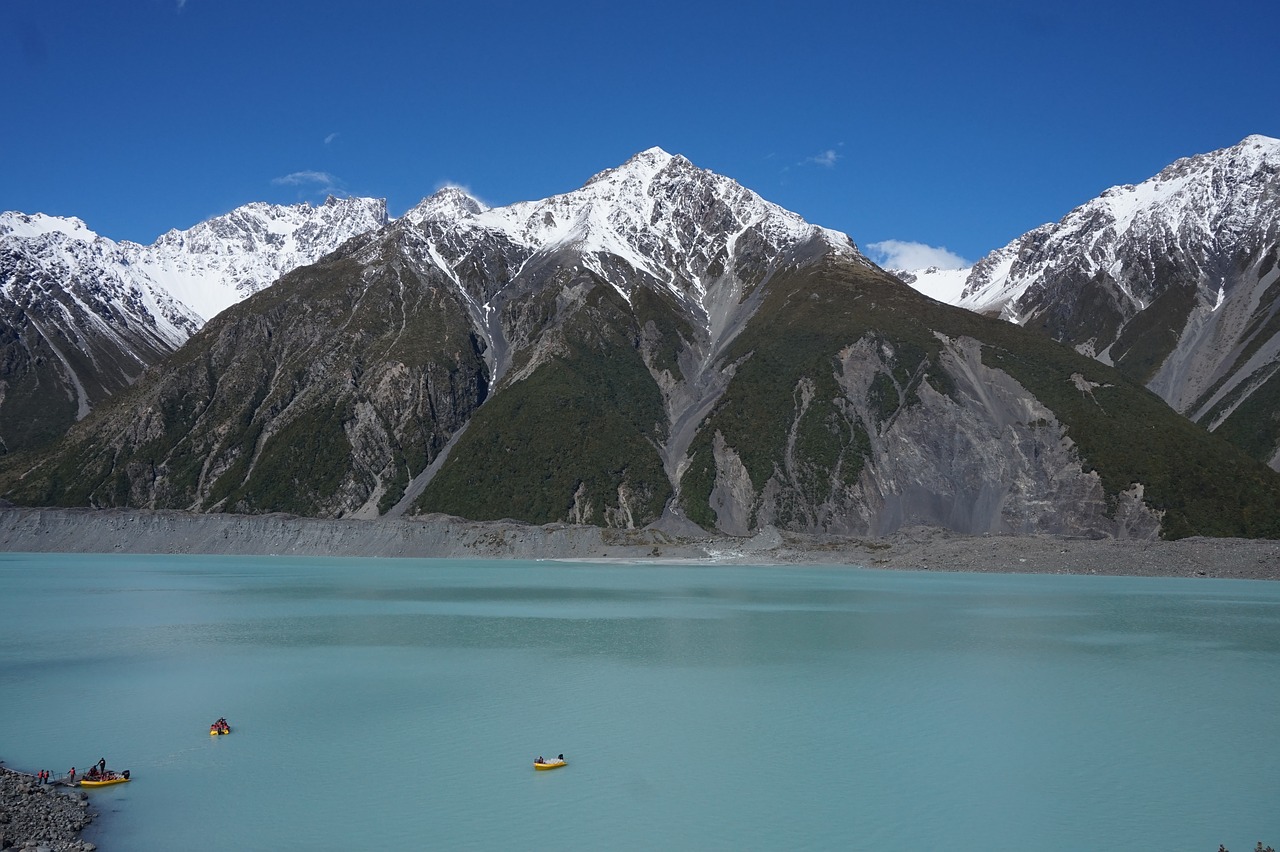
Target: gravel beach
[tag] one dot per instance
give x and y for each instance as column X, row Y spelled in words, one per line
column 926, row 549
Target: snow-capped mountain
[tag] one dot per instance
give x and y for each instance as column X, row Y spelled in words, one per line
column 222, row 260
column 50, row 253
column 82, row 315
column 657, row 222
column 1214, row 204
column 664, row 217
column 945, row 285
column 659, row 346
column 1172, row 280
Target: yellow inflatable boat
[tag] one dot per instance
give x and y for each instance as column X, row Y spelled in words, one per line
column 104, row 782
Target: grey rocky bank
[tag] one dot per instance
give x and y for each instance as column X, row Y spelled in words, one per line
column 441, row 536
column 40, row 816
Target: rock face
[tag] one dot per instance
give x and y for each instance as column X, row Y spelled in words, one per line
column 1175, row 281
column 82, row 316
column 660, row 347
column 41, row 816
column 989, row 457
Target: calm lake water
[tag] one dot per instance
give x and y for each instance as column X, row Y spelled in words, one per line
column 399, row 703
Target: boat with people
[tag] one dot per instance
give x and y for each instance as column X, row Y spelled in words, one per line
column 219, row 727
column 104, row 779
column 555, row 763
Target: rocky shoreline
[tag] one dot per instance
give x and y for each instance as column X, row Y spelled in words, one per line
column 440, row 536
column 45, row 817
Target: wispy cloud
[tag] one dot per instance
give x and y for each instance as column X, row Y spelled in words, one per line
column 182, row 4
column 827, row 158
column 328, row 140
column 906, row 255
column 322, row 181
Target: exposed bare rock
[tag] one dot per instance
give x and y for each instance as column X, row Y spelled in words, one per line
column 41, row 816
column 438, row 536
column 1174, row 281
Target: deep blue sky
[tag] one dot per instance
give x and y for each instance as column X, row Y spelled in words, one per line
column 957, row 124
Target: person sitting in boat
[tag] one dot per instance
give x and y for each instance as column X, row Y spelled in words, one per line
column 539, row 760
column 560, row 758
column 102, row 765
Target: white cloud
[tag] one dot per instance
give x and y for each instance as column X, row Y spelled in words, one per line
column 329, row 139
column 827, row 158
column 909, row 256
column 323, row 181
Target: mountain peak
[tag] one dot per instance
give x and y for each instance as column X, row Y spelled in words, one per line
column 1257, row 140
column 654, row 156
column 638, row 171
column 1258, row 150
column 448, row 203
column 24, row 225
column 1219, row 198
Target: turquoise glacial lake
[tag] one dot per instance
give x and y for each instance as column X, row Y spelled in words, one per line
column 399, row 704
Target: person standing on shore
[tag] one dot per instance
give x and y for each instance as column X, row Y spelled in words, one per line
column 71, row 776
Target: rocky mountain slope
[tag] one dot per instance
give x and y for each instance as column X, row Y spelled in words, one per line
column 81, row 316
column 1175, row 282
column 661, row 346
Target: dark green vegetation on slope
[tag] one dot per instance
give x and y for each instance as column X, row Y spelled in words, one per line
column 331, row 390
column 45, row 369
column 35, row 411
column 797, row 334
column 1204, row 485
column 309, row 392
column 1151, row 318
column 1254, row 425
column 575, row 438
